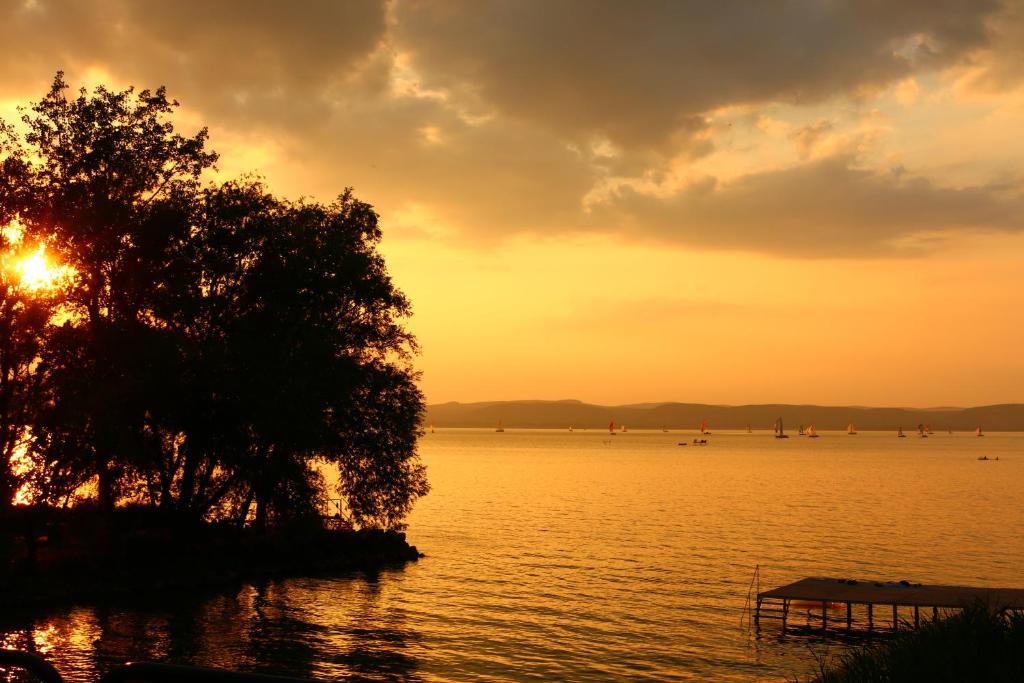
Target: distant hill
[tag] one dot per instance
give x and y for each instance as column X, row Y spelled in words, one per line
column 562, row 414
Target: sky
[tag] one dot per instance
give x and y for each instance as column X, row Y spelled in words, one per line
column 724, row 202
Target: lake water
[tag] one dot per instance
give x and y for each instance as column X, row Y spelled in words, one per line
column 578, row 556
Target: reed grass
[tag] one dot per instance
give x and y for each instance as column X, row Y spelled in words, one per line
column 977, row 644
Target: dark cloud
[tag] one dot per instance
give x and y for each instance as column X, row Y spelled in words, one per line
column 527, row 89
column 1001, row 66
column 236, row 60
column 829, row 207
column 636, row 72
column 488, row 179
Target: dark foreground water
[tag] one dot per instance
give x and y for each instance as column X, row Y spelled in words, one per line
column 579, row 556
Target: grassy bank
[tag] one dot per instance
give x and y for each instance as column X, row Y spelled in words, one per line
column 978, row 644
column 60, row 556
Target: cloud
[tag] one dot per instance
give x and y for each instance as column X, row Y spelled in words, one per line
column 808, row 137
column 495, row 118
column 824, row 208
column 247, row 61
column 1000, row 66
column 639, row 73
column 483, row 180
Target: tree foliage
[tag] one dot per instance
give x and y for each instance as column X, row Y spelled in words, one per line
column 214, row 345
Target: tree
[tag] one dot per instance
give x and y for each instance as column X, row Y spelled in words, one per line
column 317, row 361
column 23, row 317
column 217, row 343
column 110, row 187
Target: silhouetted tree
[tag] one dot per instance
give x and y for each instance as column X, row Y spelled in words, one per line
column 316, row 364
column 23, row 318
column 111, row 189
column 216, row 343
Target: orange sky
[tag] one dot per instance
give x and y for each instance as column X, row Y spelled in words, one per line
column 821, row 203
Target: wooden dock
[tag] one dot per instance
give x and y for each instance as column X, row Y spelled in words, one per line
column 820, row 596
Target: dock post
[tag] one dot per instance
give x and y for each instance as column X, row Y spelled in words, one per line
column 824, row 616
column 785, row 613
column 895, row 620
column 849, row 615
column 917, row 617
column 757, row 614
column 871, row 609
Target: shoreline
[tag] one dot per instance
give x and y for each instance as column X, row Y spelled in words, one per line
column 107, row 563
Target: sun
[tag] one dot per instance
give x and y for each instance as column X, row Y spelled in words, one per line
column 35, row 270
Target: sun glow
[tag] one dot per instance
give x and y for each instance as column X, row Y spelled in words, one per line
column 36, row 271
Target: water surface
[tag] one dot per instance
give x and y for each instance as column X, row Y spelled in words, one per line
column 580, row 556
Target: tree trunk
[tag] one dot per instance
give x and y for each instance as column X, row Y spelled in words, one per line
column 244, row 514
column 260, row 523
column 105, row 487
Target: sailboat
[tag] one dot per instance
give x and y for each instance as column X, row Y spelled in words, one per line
column 978, row 432
column 500, row 428
column 812, row 432
column 431, row 429
column 624, row 430
column 900, row 434
column 850, row 429
column 664, row 429
column 570, row 428
column 611, row 428
column 920, row 432
column 704, row 427
column 801, row 432
column 779, row 434
column 749, row 430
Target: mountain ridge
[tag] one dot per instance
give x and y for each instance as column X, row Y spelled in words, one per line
column 556, row 414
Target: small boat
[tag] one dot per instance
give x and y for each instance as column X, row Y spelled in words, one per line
column 921, row 432
column 611, row 428
column 779, row 433
column 850, row 429
column 984, row 457
column 500, row 428
column 899, row 433
column 749, row 430
column 700, row 442
column 624, row 430
column 431, row 429
column 812, row 433
column 664, row 429
column 978, row 432
column 704, row 427
column 801, row 432
column 570, row 428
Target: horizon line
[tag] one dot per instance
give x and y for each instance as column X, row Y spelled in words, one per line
column 722, row 405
